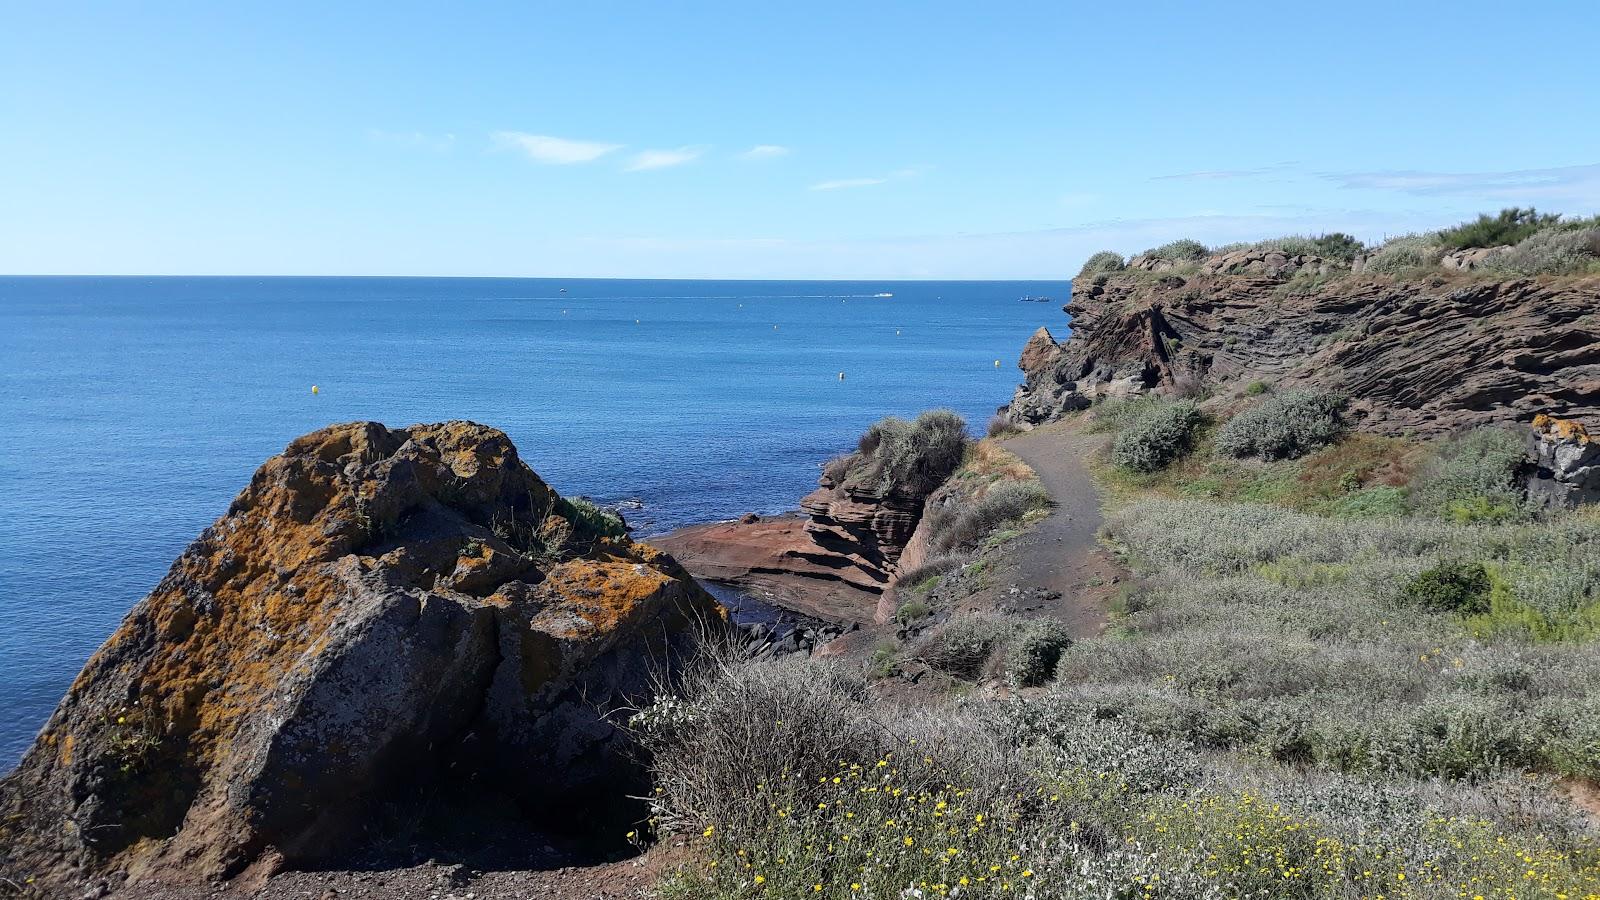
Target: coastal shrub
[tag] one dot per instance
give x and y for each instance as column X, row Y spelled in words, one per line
column 963, row 525
column 1115, row 413
column 1034, row 652
column 1376, row 502
column 730, row 728
column 1256, row 388
column 912, row 458
column 911, row 611
column 1181, row 250
column 1284, row 426
column 1509, row 226
column 1157, row 436
column 590, row 520
column 1104, row 261
column 1473, row 477
column 932, row 567
column 1402, row 254
column 961, row 646
column 1459, row 587
column 1000, row 426
column 1338, row 245
column 1553, row 251
column 1335, row 246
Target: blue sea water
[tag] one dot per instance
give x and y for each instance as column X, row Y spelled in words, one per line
column 134, row 409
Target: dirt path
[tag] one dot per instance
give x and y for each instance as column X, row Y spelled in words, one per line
column 1060, row 554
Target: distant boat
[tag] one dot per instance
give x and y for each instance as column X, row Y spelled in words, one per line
column 563, row 290
column 883, row 295
column 1027, row 299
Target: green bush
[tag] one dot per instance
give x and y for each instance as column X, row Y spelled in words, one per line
column 1104, row 261
column 1473, row 477
column 1458, row 587
column 1182, row 250
column 1376, row 502
column 911, row 611
column 911, row 458
column 1509, row 226
column 1284, row 426
column 1256, row 388
column 590, row 520
column 1405, row 253
column 1338, row 245
column 1157, row 436
column 963, row 645
column 963, row 523
column 1032, row 657
column 1000, row 426
column 933, row 567
column 1551, row 252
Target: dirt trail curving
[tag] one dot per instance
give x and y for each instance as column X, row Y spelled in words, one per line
column 1060, row 554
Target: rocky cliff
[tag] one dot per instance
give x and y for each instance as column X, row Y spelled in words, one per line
column 380, row 610
column 1426, row 355
column 836, row 560
column 831, row 563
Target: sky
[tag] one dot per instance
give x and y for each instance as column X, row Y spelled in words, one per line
column 724, row 140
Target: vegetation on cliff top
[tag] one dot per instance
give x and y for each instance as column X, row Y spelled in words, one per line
column 1524, row 242
column 909, row 457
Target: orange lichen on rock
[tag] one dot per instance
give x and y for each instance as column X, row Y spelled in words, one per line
column 358, row 602
column 1569, row 429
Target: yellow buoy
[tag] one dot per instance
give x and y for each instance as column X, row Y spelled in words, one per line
column 314, row 389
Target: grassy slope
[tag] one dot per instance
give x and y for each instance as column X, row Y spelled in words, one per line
column 1273, row 715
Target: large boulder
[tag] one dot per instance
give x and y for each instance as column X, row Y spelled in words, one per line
column 379, row 608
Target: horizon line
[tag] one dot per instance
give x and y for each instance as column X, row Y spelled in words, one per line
column 1066, row 278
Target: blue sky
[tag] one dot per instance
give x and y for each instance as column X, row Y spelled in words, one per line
column 881, row 140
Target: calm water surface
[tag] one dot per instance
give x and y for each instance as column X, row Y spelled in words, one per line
column 134, row 409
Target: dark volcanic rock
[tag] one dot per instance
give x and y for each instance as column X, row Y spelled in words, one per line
column 1430, row 355
column 379, row 608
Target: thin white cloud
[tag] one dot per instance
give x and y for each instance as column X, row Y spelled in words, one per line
column 1579, row 185
column 765, row 151
column 645, row 160
column 839, row 184
column 542, row 148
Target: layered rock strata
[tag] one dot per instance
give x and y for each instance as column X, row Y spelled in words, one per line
column 1430, row 356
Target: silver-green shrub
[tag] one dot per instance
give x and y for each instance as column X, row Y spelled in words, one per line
column 1554, row 251
column 1032, row 657
column 1284, row 426
column 961, row 646
column 1404, row 253
column 1156, row 435
column 1104, row 261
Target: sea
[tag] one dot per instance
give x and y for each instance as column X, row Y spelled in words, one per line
column 133, row 409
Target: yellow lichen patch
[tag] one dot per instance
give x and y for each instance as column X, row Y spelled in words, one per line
column 607, row 591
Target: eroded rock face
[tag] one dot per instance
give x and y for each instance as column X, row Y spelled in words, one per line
column 1565, row 462
column 1428, row 356
column 378, row 607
